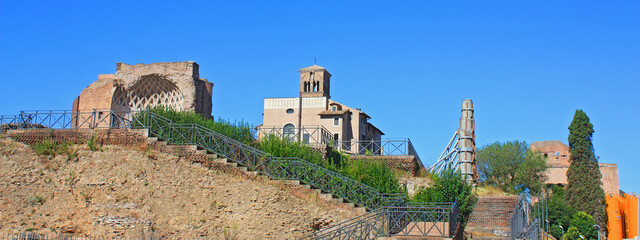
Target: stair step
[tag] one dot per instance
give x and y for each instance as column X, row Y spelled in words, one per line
column 220, row 160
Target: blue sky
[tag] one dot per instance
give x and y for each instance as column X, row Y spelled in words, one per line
column 527, row 65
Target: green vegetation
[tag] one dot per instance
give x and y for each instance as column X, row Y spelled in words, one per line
column 240, row 131
column 450, row 186
column 581, row 224
column 512, row 167
column 584, row 222
column 279, row 147
column 49, row 147
column 93, row 143
column 36, row 200
column 46, row 147
column 373, row 173
column 559, row 211
column 584, row 188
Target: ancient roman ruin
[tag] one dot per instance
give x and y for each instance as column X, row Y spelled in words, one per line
column 135, row 87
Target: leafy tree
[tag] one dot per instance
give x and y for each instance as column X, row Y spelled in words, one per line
column 449, row 186
column 559, row 211
column 512, row 167
column 584, row 188
column 584, row 223
column 572, row 234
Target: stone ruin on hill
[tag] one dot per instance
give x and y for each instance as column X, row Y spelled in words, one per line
column 135, row 87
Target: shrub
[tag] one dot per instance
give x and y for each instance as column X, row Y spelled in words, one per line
column 240, row 131
column 94, row 144
column 46, row 147
column 68, row 150
column 372, row 173
column 279, row 147
column 559, row 212
column 49, row 147
column 450, row 186
column 584, row 223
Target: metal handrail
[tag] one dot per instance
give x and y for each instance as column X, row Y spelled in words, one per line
column 382, row 147
column 422, row 220
column 311, row 134
column 194, row 134
column 522, row 225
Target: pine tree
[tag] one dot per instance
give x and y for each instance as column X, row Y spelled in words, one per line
column 584, row 188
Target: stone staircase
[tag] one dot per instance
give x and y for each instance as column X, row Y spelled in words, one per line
column 490, row 218
column 194, row 153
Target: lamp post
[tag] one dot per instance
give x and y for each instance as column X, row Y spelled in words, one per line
column 599, row 229
column 581, row 236
column 562, row 231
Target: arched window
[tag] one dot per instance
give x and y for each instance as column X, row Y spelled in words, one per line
column 289, row 131
column 154, row 90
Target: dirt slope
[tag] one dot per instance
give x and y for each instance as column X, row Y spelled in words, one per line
column 140, row 193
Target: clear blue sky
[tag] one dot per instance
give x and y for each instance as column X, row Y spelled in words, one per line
column 527, row 65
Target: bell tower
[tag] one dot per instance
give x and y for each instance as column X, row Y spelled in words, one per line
column 314, row 82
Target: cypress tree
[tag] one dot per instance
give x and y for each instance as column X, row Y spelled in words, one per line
column 584, row 188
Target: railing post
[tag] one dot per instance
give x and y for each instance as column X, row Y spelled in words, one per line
column 93, row 119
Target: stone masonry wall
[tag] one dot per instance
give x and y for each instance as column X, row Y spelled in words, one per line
column 122, row 137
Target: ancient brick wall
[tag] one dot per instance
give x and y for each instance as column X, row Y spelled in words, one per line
column 558, row 157
column 407, row 165
column 122, row 137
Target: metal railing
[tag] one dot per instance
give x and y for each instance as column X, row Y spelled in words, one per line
column 410, row 220
column 386, row 147
column 312, row 135
column 318, row 135
column 62, row 119
column 526, row 226
column 193, row 134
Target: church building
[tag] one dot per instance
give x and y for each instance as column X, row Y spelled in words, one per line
column 316, row 116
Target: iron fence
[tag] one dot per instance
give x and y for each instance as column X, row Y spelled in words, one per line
column 320, row 136
column 529, row 222
column 62, row 119
column 193, row 134
column 410, row 220
column 386, row 147
column 312, row 135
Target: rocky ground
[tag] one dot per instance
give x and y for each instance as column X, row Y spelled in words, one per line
column 141, row 193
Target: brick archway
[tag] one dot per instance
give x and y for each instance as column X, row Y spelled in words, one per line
column 149, row 91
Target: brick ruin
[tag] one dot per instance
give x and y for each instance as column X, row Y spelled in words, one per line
column 558, row 155
column 135, row 87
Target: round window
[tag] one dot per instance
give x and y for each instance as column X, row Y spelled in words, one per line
column 290, row 110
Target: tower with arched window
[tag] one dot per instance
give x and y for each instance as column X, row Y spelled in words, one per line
column 315, row 82
column 313, row 118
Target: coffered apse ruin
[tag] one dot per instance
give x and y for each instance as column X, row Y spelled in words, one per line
column 135, row 87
